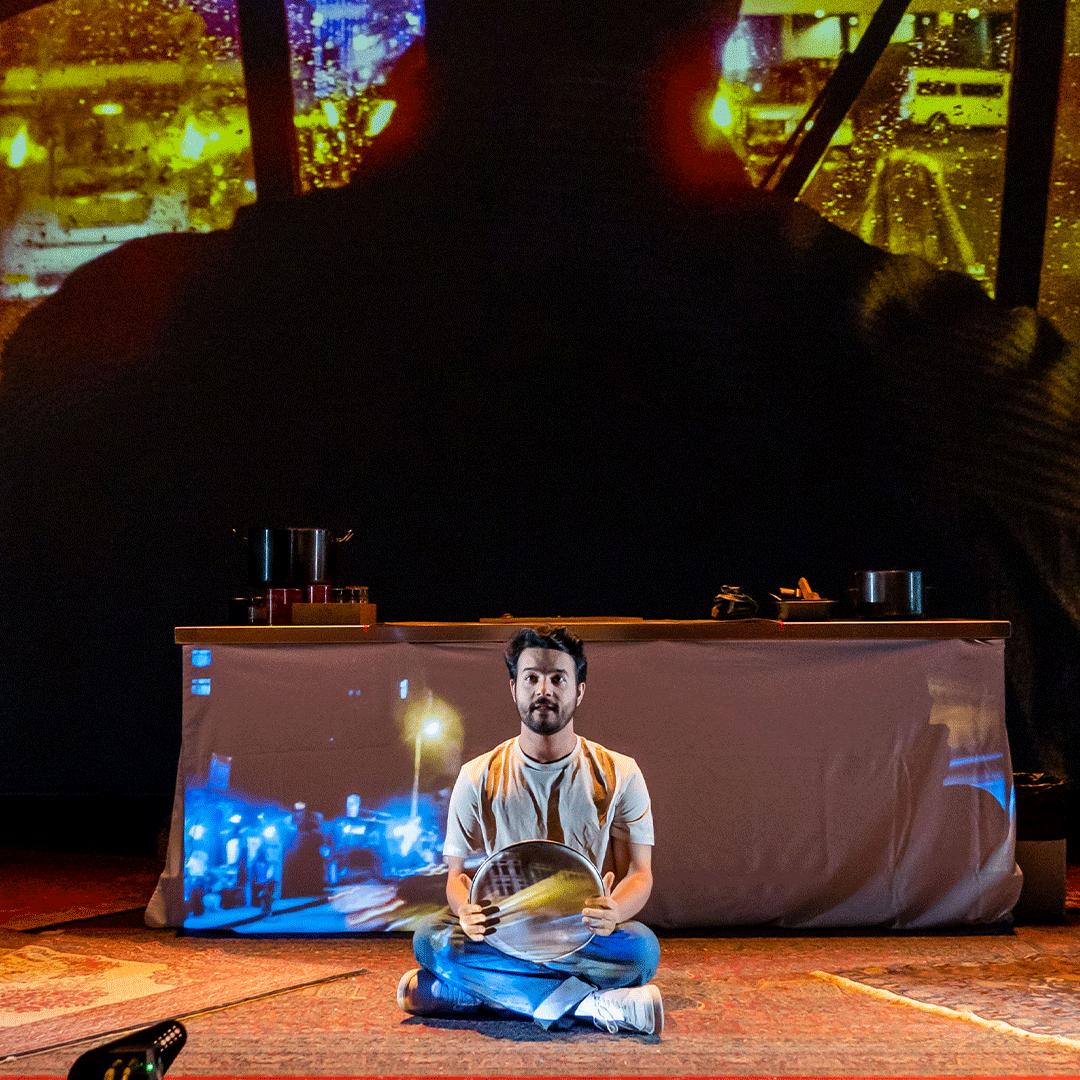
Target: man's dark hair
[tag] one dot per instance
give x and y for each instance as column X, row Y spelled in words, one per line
column 557, row 638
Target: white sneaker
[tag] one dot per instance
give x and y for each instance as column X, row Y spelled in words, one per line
column 421, row 994
column 638, row 1008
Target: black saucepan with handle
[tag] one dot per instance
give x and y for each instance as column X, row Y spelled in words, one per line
column 294, row 556
column 888, row 594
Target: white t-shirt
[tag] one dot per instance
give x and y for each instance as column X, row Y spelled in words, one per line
column 581, row 800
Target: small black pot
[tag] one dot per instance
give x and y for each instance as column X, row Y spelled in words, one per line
column 888, row 594
column 289, row 557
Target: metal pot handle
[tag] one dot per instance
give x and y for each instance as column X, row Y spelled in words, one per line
column 347, row 536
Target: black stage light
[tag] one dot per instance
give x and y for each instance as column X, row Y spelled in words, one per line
column 142, row 1055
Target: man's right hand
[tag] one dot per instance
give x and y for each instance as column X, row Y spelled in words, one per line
column 476, row 920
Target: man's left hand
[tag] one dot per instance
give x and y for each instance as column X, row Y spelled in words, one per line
column 601, row 913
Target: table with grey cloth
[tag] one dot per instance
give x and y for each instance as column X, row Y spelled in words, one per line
column 815, row 775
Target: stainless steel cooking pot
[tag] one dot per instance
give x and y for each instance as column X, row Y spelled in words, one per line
column 888, row 594
column 287, row 557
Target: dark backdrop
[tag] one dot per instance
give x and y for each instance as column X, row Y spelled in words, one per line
column 584, row 403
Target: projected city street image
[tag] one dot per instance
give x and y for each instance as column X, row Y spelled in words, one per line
column 345, row 836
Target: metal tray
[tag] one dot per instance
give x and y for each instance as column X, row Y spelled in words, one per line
column 540, row 888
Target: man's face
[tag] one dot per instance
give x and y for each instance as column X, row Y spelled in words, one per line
column 546, row 690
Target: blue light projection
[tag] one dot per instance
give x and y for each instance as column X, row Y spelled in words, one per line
column 345, row 48
column 986, row 771
column 254, row 866
column 321, row 843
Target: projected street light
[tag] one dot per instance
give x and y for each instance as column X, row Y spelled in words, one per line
column 430, row 729
column 433, row 729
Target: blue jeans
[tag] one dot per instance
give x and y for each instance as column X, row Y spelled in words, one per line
column 549, row 992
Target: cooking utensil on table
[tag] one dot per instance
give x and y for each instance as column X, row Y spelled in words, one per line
column 540, row 888
column 888, row 594
column 731, row 602
column 791, row 609
column 802, row 604
column 288, row 558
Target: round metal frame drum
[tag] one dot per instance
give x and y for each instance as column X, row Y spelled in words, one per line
column 540, row 888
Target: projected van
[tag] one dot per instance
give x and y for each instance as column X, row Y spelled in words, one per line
column 940, row 98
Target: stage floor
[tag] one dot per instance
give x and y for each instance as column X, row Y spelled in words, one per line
column 1004, row 1001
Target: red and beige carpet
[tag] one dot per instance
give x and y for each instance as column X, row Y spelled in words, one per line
column 995, row 1004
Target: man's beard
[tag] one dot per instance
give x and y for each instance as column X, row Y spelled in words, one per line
column 547, row 721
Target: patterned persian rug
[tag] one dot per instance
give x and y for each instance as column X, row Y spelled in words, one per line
column 1039, row 995
column 55, row 989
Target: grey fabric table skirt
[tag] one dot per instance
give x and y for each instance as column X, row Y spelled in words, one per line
column 797, row 783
